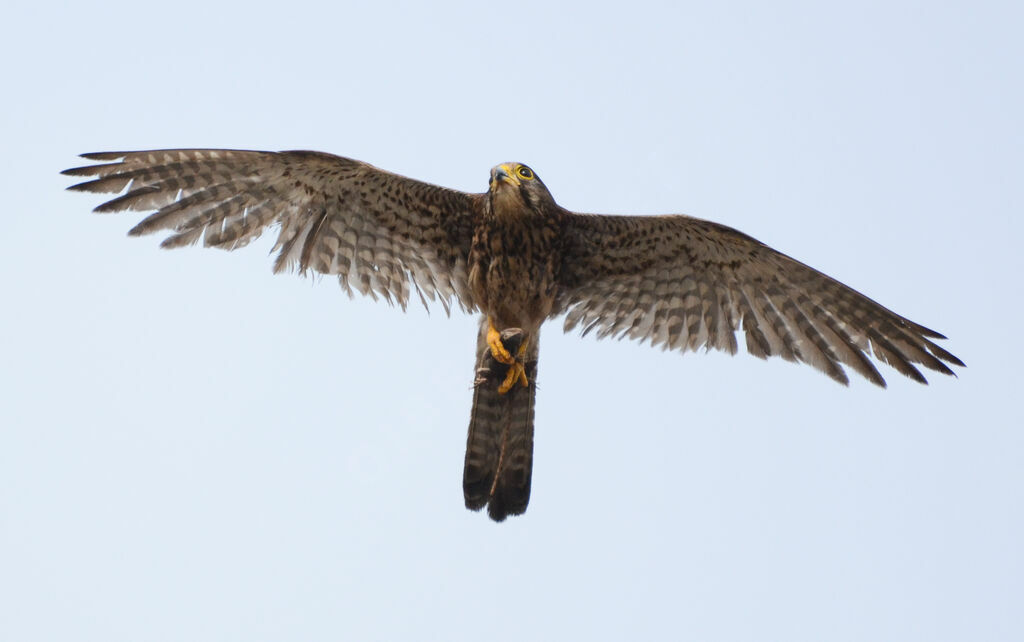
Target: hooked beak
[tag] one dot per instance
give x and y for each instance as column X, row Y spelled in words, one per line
column 503, row 174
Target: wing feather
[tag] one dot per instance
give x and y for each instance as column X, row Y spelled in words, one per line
column 381, row 234
column 686, row 284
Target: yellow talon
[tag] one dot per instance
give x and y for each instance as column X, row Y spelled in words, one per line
column 498, row 350
column 516, row 369
column 516, row 372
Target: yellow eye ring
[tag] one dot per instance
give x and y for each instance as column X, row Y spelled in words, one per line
column 525, row 172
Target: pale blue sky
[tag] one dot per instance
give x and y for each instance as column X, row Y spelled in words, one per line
column 194, row 449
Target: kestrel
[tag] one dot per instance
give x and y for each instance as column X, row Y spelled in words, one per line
column 516, row 257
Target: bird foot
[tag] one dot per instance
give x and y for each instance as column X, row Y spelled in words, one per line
column 516, row 367
column 498, row 349
column 516, row 373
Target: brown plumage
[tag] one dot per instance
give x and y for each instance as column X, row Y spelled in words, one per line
column 499, row 447
column 517, row 257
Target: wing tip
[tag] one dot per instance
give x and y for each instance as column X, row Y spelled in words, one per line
column 77, row 187
column 104, row 155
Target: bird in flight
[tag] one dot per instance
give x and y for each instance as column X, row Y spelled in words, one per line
column 518, row 258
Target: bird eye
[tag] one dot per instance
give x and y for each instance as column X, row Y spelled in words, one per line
column 524, row 172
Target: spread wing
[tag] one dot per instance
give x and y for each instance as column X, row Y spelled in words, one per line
column 684, row 283
column 379, row 232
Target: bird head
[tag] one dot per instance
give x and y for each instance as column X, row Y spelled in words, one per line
column 517, row 185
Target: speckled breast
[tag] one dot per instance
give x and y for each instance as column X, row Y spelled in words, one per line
column 514, row 271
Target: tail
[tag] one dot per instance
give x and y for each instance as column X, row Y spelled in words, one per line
column 499, row 449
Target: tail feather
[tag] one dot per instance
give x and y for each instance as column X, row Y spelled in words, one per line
column 499, row 448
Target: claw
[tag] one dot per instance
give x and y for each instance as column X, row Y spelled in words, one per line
column 516, row 372
column 516, row 367
column 498, row 350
